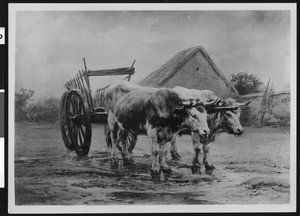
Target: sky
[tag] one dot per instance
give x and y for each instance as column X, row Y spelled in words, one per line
column 50, row 45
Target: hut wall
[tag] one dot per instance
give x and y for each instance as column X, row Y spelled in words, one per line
column 197, row 73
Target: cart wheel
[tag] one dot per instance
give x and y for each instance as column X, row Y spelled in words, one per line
column 63, row 124
column 78, row 122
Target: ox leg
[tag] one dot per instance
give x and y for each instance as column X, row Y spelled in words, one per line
column 107, row 136
column 114, row 161
column 163, row 158
column 196, row 164
column 173, row 150
column 132, row 140
column 113, row 127
column 155, row 165
column 206, row 160
column 123, row 146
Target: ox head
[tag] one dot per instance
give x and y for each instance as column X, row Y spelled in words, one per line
column 228, row 115
column 195, row 116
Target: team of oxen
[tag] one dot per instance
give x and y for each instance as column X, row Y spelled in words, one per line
column 162, row 114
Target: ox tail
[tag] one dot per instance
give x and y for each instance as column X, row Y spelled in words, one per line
column 107, row 136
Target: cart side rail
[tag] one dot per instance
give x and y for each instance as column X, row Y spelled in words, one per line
column 99, row 100
column 81, row 81
column 111, row 72
column 99, row 97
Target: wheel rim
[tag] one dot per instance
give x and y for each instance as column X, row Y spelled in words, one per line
column 78, row 121
column 63, row 124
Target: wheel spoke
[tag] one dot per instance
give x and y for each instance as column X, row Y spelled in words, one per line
column 75, row 134
column 68, row 137
column 74, row 106
column 80, row 138
column 73, row 101
column 68, row 112
column 81, row 130
column 80, row 108
column 70, row 109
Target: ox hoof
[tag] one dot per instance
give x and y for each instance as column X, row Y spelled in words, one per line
column 129, row 162
column 155, row 175
column 209, row 167
column 166, row 170
column 208, row 172
column 114, row 163
column 196, row 169
column 175, row 156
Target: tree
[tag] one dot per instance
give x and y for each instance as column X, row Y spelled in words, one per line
column 246, row 83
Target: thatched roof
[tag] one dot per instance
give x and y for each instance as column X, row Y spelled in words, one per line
column 161, row 76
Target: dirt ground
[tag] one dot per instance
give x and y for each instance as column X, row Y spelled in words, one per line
column 251, row 169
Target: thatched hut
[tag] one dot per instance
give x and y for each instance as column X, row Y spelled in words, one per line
column 191, row 68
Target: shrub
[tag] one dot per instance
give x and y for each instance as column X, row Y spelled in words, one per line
column 248, row 117
column 47, row 110
column 43, row 110
column 246, row 83
column 22, row 98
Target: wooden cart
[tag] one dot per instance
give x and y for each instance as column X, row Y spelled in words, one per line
column 78, row 109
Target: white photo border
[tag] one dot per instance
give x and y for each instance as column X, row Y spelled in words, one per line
column 13, row 208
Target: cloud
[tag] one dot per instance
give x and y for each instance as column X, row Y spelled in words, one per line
column 51, row 45
column 256, row 53
column 150, row 21
column 150, row 37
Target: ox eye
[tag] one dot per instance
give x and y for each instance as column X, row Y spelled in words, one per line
column 228, row 114
column 194, row 116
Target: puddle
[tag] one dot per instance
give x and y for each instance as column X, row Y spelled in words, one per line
column 29, row 160
column 160, row 198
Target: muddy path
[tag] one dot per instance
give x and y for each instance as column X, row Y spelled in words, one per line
column 252, row 169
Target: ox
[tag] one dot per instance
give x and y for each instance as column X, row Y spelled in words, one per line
column 160, row 113
column 112, row 94
column 224, row 117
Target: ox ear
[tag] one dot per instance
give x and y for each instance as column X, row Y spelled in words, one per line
column 180, row 111
column 190, row 102
column 187, row 102
column 244, row 104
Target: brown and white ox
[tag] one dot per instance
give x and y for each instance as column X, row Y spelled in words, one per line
column 159, row 113
column 223, row 117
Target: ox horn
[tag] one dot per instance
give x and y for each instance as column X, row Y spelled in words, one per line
column 244, row 104
column 211, row 103
column 225, row 108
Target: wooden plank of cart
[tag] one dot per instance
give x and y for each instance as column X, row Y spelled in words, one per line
column 78, row 109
